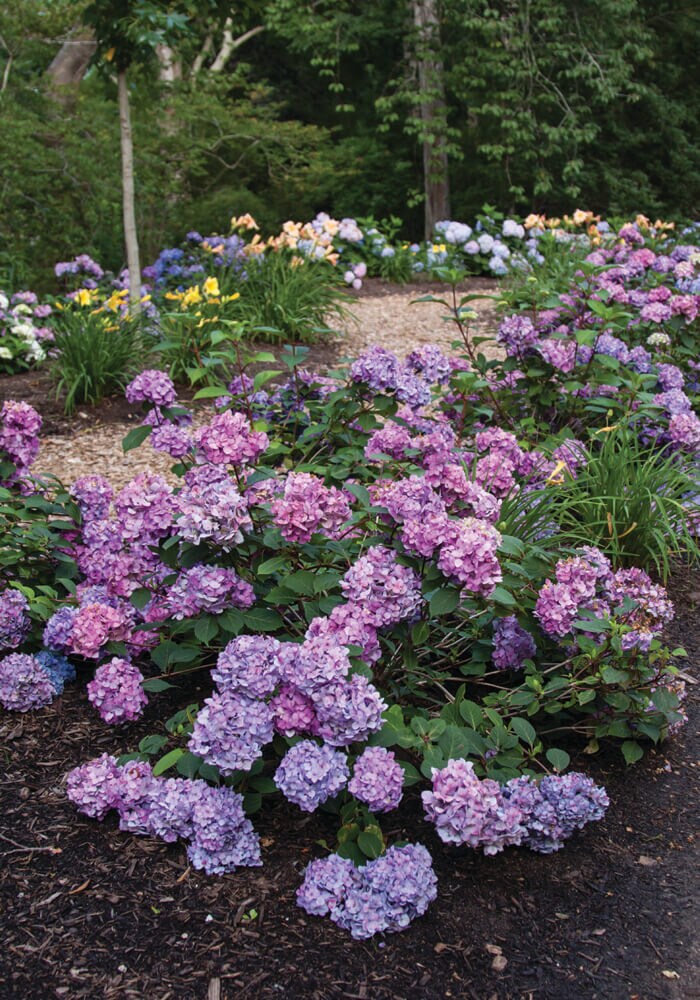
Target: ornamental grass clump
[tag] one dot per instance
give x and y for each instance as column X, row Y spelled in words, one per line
column 93, row 355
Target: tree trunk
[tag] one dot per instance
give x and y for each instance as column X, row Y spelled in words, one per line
column 128, row 203
column 433, row 113
column 69, row 64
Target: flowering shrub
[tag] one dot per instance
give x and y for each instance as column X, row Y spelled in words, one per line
column 341, row 559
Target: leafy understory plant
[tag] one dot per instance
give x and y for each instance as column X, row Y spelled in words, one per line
column 94, row 355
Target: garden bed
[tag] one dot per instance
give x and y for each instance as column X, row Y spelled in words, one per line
column 111, row 915
column 90, row 439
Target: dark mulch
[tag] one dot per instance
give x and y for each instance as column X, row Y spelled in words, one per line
column 37, row 388
column 89, row 912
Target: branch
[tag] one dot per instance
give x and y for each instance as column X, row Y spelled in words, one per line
column 199, row 61
column 230, row 43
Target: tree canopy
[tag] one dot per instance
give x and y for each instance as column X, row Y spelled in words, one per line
column 285, row 107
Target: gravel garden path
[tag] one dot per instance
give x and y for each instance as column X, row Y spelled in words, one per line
column 380, row 314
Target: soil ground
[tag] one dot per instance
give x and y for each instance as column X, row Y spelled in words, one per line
column 90, row 912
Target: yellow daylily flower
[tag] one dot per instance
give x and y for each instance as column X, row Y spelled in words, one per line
column 191, row 297
column 211, row 287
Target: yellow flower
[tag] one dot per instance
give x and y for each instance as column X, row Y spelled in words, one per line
column 84, row 296
column 115, row 301
column 533, row 220
column 231, row 298
column 191, row 297
column 211, row 287
column 580, row 217
column 174, row 295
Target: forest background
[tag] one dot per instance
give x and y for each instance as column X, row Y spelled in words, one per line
column 413, row 109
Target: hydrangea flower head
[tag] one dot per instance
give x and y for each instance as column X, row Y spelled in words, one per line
column 116, row 691
column 309, row 774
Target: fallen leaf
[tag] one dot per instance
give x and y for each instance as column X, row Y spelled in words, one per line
column 74, row 892
column 493, row 949
column 499, row 963
column 440, row 947
column 562, row 916
column 645, row 860
column 599, row 932
column 670, row 974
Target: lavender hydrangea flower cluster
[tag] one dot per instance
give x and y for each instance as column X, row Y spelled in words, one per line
column 482, row 814
column 14, row 620
column 309, row 774
column 24, row 683
column 307, row 506
column 469, row 555
column 231, row 730
column 512, row 644
column 230, row 440
column 212, row 819
column 206, row 588
column 151, row 386
column 383, row 896
column 211, row 508
column 386, row 591
column 377, row 779
column 116, row 691
column 19, row 435
column 383, row 372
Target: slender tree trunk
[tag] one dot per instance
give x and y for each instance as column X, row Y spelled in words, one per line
column 433, row 113
column 128, row 202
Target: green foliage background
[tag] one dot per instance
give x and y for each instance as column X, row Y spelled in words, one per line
column 549, row 104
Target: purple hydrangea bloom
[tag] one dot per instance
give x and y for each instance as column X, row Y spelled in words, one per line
column 684, row 431
column 517, row 334
column 348, row 711
column 151, row 386
column 392, row 439
column 230, row 731
column 469, row 555
column 174, row 441
column 170, row 808
column 309, row 774
column 145, row 509
column 556, row 608
column 555, row 808
column 14, row 621
column 24, row 684
column 92, row 787
column 230, row 440
column 377, row 779
column 384, row 895
column 466, row 810
column 512, row 644
column 250, row 664
column 92, row 627
column 211, row 508
column 19, row 434
column 116, row 691
column 93, row 494
column 222, row 838
column 387, row 591
column 207, row 588
column 327, row 881
column 294, row 712
column 653, row 606
column 308, row 506
column 58, row 629
column 348, row 625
